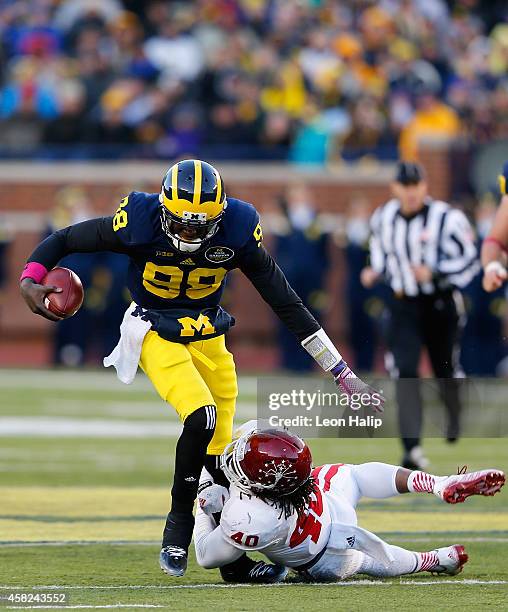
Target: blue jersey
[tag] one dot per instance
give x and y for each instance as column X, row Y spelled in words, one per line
column 179, row 293
column 182, row 291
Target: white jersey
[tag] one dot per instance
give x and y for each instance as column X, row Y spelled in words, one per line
column 248, row 523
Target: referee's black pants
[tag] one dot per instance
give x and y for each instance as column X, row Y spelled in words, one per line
column 432, row 321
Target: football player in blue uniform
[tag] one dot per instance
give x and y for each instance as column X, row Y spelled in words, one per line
column 182, row 242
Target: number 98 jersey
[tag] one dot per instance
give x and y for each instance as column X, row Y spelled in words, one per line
column 181, row 290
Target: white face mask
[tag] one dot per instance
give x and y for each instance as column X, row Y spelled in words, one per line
column 186, row 247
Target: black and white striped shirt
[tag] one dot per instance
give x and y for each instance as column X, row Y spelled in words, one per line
column 438, row 236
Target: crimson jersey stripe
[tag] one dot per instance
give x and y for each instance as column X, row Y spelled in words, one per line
column 332, row 470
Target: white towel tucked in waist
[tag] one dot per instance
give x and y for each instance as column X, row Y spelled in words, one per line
column 126, row 354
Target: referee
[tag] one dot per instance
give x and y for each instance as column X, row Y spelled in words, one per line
column 425, row 250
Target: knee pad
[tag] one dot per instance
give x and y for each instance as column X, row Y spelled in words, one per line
column 202, row 422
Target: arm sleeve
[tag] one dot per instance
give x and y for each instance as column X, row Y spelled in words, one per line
column 269, row 280
column 86, row 237
column 212, row 549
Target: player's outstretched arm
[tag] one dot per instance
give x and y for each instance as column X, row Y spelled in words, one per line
column 270, row 282
column 86, row 237
column 494, row 253
column 495, row 250
column 212, row 550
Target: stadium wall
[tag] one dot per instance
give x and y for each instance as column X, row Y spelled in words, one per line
column 27, row 192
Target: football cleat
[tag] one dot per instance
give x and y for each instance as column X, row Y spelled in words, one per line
column 256, row 572
column 451, row 560
column 173, row 560
column 456, row 489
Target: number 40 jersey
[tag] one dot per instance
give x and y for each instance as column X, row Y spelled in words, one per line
column 249, row 523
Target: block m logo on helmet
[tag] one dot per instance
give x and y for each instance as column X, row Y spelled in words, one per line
column 201, row 325
column 190, row 216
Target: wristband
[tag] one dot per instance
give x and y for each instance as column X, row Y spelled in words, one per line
column 339, row 368
column 321, row 348
column 35, row 271
column 496, row 241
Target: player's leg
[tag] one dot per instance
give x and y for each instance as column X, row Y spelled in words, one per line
column 380, row 480
column 223, row 385
column 442, row 330
column 447, row 560
column 170, row 368
column 405, row 342
column 222, row 382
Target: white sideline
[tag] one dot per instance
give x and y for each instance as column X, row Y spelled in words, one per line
column 84, row 606
column 408, row 538
column 211, row 585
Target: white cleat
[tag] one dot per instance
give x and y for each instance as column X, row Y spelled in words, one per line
column 451, row 560
column 456, row 489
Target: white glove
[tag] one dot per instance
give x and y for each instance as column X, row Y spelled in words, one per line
column 212, row 497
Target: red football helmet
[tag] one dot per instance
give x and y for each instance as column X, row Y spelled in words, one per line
column 270, row 461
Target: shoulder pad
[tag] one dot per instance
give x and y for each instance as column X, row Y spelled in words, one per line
column 137, row 221
column 240, row 221
column 249, row 523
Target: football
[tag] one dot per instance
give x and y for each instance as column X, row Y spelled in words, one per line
column 68, row 302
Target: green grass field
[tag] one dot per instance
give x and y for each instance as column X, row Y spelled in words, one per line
column 85, row 467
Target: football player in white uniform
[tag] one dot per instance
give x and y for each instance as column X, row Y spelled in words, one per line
column 305, row 519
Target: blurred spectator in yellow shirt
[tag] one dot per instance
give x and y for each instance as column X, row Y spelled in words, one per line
column 432, row 120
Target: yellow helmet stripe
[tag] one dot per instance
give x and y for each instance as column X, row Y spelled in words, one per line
column 174, row 183
column 197, row 182
column 219, row 189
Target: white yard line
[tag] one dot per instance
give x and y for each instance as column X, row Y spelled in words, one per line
column 169, row 587
column 408, row 538
column 86, row 607
column 56, row 427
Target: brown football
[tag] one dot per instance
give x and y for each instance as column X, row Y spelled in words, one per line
column 68, row 302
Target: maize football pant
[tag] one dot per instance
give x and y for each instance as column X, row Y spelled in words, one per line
column 190, row 376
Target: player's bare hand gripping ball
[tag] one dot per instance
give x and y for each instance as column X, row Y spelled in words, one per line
column 58, row 296
column 35, row 295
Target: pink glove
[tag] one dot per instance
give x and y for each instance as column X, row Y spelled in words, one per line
column 350, row 384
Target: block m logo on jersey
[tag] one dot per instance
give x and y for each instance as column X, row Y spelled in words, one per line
column 201, row 325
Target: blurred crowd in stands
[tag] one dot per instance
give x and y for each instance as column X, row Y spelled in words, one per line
column 308, row 80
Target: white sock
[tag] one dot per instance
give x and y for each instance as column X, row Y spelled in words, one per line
column 406, row 562
column 421, row 482
column 375, row 479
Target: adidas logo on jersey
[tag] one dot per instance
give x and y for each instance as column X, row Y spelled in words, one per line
column 187, row 262
column 351, row 541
